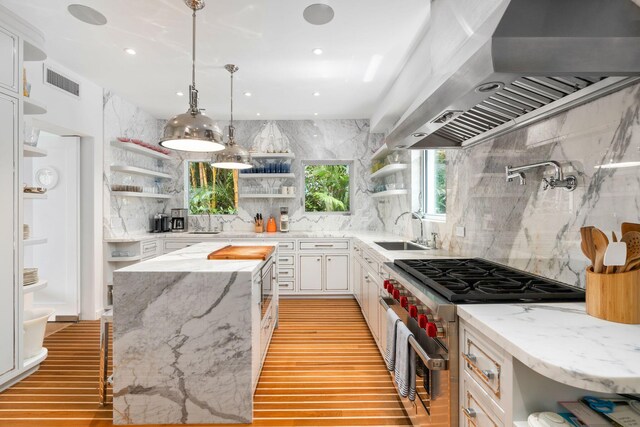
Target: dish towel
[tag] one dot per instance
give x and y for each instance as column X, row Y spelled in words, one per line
column 390, row 351
column 405, row 367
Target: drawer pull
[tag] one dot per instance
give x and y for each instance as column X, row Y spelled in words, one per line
column 469, row 412
column 470, row 358
column 319, row 245
column 488, row 374
column 485, row 374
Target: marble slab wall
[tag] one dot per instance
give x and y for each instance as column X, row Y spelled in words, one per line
column 537, row 230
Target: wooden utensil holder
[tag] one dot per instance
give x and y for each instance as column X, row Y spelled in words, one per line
column 259, row 229
column 614, row 297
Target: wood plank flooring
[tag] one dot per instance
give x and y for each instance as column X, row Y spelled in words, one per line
column 323, row 369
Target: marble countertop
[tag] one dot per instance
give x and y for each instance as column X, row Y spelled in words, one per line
column 562, row 342
column 194, row 259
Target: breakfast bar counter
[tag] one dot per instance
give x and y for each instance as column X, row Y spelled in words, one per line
column 184, row 338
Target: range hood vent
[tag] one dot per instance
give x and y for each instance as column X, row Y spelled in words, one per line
column 541, row 58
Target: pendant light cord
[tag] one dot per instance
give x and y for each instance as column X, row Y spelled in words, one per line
column 231, row 124
column 193, row 92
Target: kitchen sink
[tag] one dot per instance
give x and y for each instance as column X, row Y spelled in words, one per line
column 204, row 232
column 400, row 246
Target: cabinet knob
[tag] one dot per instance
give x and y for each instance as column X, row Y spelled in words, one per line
column 318, row 259
column 328, row 259
column 469, row 412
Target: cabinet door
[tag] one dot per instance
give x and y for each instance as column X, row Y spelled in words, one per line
column 372, row 294
column 337, row 272
column 357, row 285
column 366, row 279
column 8, row 60
column 8, row 232
column 311, row 272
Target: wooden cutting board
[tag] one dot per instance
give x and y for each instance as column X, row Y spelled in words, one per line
column 242, row 252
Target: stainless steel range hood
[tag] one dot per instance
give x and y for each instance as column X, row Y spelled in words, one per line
column 545, row 56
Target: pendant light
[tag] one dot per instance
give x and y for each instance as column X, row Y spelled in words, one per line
column 233, row 156
column 193, row 130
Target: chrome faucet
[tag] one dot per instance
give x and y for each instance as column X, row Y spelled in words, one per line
column 569, row 182
column 417, row 215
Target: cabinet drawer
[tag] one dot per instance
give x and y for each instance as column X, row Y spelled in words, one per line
column 285, row 273
column 172, row 245
column 287, row 246
column 483, row 363
column 285, row 286
column 476, row 408
column 286, row 260
column 149, row 248
column 324, row 245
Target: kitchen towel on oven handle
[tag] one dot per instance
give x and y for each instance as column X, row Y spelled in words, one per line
column 405, row 369
column 390, row 351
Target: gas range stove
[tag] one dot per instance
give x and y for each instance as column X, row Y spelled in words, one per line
column 475, row 280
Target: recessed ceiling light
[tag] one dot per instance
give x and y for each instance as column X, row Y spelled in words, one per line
column 318, row 14
column 315, row 135
column 257, row 114
column 316, row 93
column 317, row 51
column 86, row 14
column 179, row 93
column 247, row 94
column 315, row 114
column 130, row 50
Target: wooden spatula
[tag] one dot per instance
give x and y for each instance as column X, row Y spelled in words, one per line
column 600, row 243
column 629, row 226
column 587, row 243
column 632, row 239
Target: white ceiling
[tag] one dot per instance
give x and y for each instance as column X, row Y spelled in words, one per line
column 268, row 39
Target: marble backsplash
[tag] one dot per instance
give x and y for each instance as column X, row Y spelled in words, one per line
column 536, row 230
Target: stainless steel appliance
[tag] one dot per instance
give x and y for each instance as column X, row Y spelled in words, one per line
column 535, row 59
column 267, row 284
column 160, row 223
column 424, row 293
column 179, row 220
column 284, row 219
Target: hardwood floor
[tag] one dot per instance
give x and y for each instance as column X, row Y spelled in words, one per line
column 323, row 369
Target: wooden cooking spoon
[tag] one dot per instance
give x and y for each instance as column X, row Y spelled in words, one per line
column 629, row 226
column 632, row 239
column 600, row 243
column 587, row 243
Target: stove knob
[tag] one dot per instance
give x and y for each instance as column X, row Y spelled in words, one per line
column 387, row 283
column 390, row 289
column 396, row 294
column 432, row 330
column 422, row 321
column 404, row 302
column 413, row 311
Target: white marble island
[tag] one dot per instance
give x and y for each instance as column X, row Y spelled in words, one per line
column 187, row 347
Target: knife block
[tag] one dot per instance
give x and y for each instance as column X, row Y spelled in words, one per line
column 614, row 297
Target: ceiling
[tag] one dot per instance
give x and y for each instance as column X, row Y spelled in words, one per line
column 268, row 39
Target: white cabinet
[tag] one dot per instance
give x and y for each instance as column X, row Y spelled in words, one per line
column 337, row 268
column 372, row 294
column 9, row 270
column 311, row 272
column 357, row 281
column 8, row 62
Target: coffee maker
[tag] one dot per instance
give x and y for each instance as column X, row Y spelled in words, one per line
column 160, row 223
column 284, row 219
column 179, row 220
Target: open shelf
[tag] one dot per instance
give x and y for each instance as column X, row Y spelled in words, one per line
column 134, row 194
column 41, row 284
column 389, row 193
column 124, row 258
column 32, row 52
column 130, row 146
column 381, row 152
column 34, row 196
column 266, row 196
column 30, row 151
column 389, row 169
column 140, row 171
column 35, row 241
column 273, row 155
column 32, row 107
column 267, row 175
column 34, row 361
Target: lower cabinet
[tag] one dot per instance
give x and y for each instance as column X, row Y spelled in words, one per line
column 328, row 273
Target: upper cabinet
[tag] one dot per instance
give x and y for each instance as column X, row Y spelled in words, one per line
column 9, row 63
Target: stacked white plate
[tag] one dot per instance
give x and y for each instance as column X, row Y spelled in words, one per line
column 30, row 276
column 26, row 231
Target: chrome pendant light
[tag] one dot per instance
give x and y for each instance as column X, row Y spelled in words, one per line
column 193, row 130
column 233, row 156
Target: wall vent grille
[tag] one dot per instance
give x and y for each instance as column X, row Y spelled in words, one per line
column 57, row 80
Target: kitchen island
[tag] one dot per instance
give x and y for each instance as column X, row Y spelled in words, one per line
column 189, row 337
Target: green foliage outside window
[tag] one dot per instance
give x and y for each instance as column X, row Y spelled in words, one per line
column 326, row 188
column 212, row 191
column 441, row 182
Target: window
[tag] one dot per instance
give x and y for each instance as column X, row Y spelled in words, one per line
column 434, row 183
column 327, row 187
column 211, row 190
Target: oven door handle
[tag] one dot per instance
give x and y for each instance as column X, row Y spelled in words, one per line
column 433, row 363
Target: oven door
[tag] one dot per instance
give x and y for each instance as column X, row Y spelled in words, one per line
column 266, row 287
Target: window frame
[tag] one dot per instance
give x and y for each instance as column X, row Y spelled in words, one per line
column 351, row 167
column 427, row 193
column 186, row 187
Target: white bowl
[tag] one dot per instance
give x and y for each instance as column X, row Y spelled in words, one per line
column 35, row 323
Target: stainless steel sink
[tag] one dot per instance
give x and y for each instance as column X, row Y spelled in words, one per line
column 204, row 232
column 400, row 246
